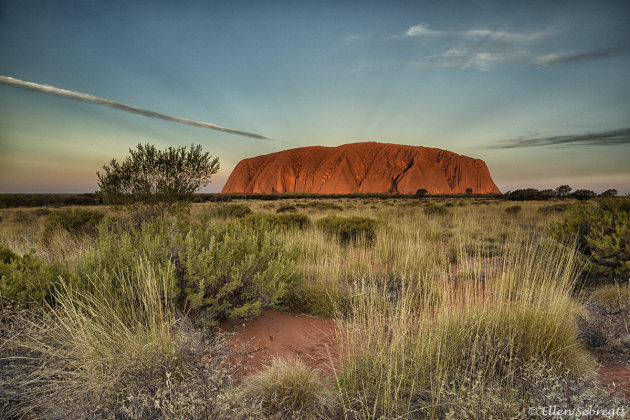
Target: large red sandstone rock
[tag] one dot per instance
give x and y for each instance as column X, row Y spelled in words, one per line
column 361, row 167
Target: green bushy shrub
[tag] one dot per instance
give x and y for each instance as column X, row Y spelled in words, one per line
column 349, row 229
column 231, row 211
column 291, row 390
column 321, row 205
column 602, row 232
column 282, row 221
column 27, row 279
column 6, row 255
column 228, row 270
column 434, row 209
column 287, row 209
column 75, row 221
column 120, row 243
column 554, row 208
column 235, row 270
column 513, row 209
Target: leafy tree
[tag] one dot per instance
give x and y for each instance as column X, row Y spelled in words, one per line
column 563, row 190
column 527, row 194
column 584, row 194
column 609, row 193
column 155, row 176
column 421, row 192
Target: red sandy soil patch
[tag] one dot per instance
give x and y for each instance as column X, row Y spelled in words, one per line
column 614, row 372
column 253, row 344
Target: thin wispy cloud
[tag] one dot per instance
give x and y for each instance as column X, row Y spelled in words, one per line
column 462, row 58
column 421, row 30
column 603, row 138
column 569, row 57
column 480, row 49
column 51, row 90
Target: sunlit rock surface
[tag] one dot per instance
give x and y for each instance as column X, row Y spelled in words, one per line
column 361, row 167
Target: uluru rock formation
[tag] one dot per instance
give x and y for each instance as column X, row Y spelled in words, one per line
column 361, row 167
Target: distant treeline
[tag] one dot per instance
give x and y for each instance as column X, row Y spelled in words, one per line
column 564, row 191
column 49, row 200
column 286, row 196
column 94, row 199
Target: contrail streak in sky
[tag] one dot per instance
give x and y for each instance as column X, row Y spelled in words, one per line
column 51, row 90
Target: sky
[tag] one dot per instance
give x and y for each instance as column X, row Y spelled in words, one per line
column 540, row 90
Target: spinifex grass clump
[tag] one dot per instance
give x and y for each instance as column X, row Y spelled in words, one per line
column 227, row 211
column 283, row 221
column 320, row 206
column 91, row 346
column 286, row 209
column 289, row 389
column 513, row 209
column 614, row 298
column 402, row 360
column 349, row 229
column 434, row 209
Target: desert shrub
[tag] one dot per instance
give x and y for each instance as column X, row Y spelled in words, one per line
column 23, row 217
column 234, row 270
column 321, row 205
column 421, row 192
column 75, row 221
column 602, row 232
column 513, row 209
column 6, row 255
column 222, row 270
column 121, row 242
column 286, row 209
column 605, row 319
column 281, row 221
column 434, row 209
column 28, row 280
column 554, row 208
column 287, row 390
column 231, row 211
column 349, row 229
column 6, row 258
column 318, row 300
column 613, row 298
column 291, row 221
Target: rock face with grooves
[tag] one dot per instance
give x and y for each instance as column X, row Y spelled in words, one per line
column 361, row 167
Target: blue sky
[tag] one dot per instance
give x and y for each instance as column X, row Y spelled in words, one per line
column 539, row 90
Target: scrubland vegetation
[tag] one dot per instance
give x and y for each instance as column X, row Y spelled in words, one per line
column 447, row 308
